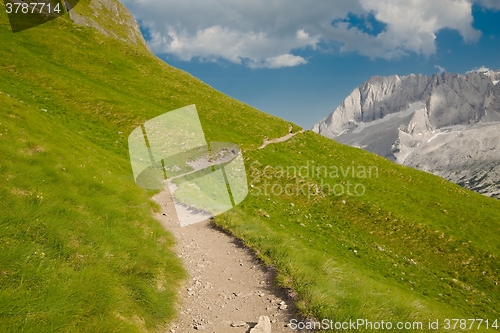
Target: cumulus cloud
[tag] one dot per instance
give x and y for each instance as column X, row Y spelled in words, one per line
column 412, row 25
column 257, row 33
column 271, row 34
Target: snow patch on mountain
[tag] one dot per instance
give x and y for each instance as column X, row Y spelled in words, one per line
column 447, row 124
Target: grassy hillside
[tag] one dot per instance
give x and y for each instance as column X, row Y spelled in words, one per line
column 79, row 248
column 413, row 247
column 80, row 251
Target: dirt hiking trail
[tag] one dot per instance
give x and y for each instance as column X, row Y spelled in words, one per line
column 280, row 139
column 228, row 289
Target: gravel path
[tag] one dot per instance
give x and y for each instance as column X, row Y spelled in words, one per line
column 281, row 139
column 227, row 289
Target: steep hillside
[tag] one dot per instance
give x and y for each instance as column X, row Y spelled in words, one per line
column 446, row 124
column 354, row 235
column 80, row 250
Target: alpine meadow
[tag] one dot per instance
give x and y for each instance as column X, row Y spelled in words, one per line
column 351, row 234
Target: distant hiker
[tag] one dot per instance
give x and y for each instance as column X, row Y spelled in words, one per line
column 290, row 128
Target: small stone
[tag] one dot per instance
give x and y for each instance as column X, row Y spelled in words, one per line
column 238, row 324
column 199, row 327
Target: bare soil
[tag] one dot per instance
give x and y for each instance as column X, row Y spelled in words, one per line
column 228, row 288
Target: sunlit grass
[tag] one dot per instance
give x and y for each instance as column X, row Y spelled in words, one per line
column 413, row 247
column 81, row 252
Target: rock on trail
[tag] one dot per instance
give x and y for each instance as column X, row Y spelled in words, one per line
column 263, row 326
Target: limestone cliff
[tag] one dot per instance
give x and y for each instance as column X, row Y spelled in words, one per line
column 447, row 124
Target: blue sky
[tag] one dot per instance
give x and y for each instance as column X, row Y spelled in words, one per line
column 299, row 59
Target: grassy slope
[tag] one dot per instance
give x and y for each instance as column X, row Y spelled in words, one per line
column 98, row 229
column 425, row 248
column 80, row 250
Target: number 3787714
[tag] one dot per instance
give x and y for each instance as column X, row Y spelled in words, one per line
column 31, row 8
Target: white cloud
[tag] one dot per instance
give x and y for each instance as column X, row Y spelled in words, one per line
column 440, row 69
column 284, row 60
column 491, row 4
column 257, row 33
column 233, row 45
column 263, row 33
column 412, row 25
column 479, row 69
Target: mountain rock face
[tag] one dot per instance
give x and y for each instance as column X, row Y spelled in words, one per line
column 447, row 124
column 110, row 18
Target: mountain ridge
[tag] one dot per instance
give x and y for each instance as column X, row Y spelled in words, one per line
column 378, row 117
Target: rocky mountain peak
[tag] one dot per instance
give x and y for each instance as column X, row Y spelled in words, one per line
column 409, row 118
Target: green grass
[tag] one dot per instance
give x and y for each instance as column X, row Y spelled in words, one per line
column 80, row 251
column 413, row 247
